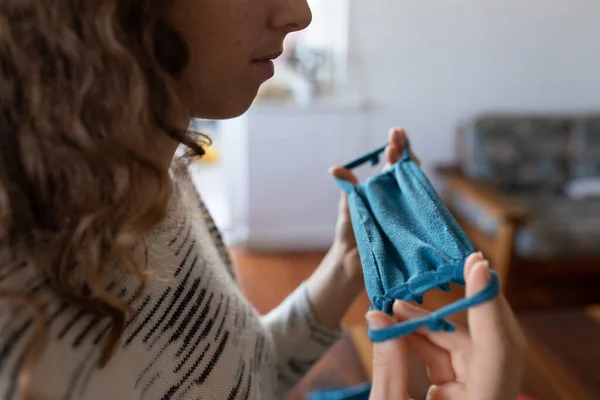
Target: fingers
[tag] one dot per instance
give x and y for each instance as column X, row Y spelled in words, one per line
column 471, row 260
column 343, row 209
column 437, row 360
column 390, row 362
column 392, row 155
column 448, row 391
column 474, row 259
column 397, row 140
column 487, row 321
column 495, row 332
column 347, row 175
column 344, row 174
column 446, row 340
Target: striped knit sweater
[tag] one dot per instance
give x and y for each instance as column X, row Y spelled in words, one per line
column 192, row 335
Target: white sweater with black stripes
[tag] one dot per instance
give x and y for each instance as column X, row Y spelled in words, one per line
column 192, row 335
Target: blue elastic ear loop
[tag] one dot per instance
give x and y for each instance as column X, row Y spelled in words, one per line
column 372, row 157
column 435, row 320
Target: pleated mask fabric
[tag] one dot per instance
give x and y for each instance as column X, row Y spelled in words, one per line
column 409, row 243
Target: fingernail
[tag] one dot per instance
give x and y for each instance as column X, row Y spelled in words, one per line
column 399, row 304
column 397, row 307
column 472, row 261
column 375, row 320
column 485, row 265
column 477, row 257
column 398, row 141
column 487, row 274
column 401, row 142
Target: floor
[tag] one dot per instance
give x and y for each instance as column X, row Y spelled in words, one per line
column 268, row 278
column 565, row 344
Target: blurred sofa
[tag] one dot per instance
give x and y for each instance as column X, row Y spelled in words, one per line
column 526, row 189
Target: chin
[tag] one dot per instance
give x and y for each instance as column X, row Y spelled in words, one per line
column 231, row 107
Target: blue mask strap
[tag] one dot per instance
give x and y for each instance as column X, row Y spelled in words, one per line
column 435, row 321
column 372, row 157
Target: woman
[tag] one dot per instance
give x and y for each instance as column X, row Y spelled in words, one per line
column 114, row 282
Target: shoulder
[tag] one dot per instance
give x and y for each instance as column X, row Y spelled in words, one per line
column 191, row 200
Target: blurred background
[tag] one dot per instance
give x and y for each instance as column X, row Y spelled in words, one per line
column 501, row 101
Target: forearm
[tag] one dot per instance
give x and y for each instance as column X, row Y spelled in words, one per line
column 331, row 289
column 300, row 338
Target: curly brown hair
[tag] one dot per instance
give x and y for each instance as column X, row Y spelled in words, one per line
column 86, row 90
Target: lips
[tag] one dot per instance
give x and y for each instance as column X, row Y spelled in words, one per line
column 265, row 64
column 266, row 68
column 268, row 57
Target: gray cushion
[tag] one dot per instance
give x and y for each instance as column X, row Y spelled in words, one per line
column 558, row 227
column 516, row 153
column 585, row 148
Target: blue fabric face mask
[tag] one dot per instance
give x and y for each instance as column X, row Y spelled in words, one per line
column 408, row 242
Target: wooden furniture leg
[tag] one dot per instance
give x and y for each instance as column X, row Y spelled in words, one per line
column 504, row 255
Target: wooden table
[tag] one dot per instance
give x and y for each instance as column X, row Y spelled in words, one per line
column 563, row 362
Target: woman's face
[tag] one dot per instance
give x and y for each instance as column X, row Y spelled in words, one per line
column 231, row 43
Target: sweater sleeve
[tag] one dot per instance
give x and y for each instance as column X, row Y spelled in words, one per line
column 300, row 339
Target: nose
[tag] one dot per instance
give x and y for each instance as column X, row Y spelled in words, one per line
column 290, row 15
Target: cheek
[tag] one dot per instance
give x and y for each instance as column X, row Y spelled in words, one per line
column 215, row 33
column 221, row 42
column 219, row 66
column 214, row 58
column 216, row 84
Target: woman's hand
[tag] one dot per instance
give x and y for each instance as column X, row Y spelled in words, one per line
column 338, row 280
column 484, row 363
column 344, row 242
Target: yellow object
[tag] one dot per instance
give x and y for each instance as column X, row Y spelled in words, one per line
column 210, row 156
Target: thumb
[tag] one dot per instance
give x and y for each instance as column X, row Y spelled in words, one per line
column 486, row 321
column 390, row 362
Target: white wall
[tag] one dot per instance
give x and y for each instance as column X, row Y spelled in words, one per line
column 428, row 64
column 280, row 195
